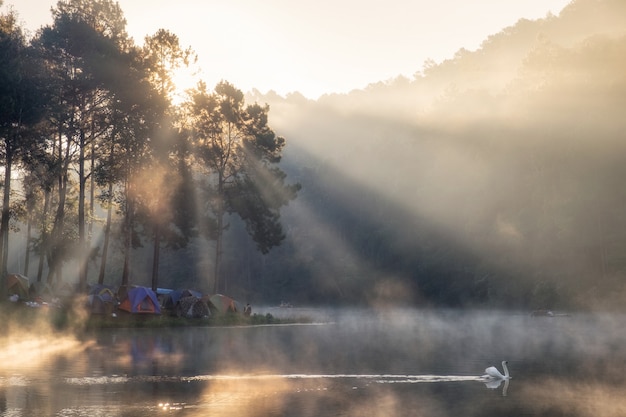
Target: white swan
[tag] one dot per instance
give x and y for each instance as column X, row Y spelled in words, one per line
column 492, row 373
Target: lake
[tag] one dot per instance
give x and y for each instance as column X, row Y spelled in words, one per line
column 397, row 362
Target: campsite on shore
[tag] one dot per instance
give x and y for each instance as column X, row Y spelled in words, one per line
column 137, row 306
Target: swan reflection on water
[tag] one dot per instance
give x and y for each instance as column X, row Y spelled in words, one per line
column 495, row 384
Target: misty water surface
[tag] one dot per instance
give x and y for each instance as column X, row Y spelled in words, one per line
column 348, row 363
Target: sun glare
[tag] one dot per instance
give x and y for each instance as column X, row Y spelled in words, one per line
column 184, row 79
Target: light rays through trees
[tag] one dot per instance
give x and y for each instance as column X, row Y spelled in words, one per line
column 117, row 142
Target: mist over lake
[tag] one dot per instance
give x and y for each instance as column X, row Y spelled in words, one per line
column 349, row 363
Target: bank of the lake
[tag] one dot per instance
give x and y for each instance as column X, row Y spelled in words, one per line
column 28, row 316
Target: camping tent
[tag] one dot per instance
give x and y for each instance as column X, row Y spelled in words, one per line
column 222, row 303
column 171, row 299
column 42, row 290
column 162, row 294
column 192, row 307
column 141, row 300
column 97, row 305
column 18, row 284
column 103, row 291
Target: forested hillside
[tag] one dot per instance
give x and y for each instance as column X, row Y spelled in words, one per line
column 492, row 178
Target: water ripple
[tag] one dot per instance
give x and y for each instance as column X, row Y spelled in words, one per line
column 377, row 378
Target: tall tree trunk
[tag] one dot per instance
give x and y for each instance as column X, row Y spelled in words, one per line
column 44, row 235
column 55, row 257
column 92, row 188
column 219, row 214
column 218, row 241
column 4, row 221
column 156, row 255
column 82, row 241
column 29, row 227
column 129, row 224
column 107, row 227
column 218, row 255
column 107, row 234
column 92, row 193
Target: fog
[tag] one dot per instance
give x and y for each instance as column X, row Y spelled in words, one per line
column 492, row 178
column 508, row 160
column 420, row 362
column 369, row 361
column 366, row 362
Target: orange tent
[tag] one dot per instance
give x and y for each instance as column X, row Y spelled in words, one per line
column 223, row 304
column 141, row 300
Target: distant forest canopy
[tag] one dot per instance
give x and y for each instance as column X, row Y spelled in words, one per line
column 493, row 178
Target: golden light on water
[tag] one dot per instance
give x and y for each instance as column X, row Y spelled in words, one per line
column 243, row 397
column 30, row 341
column 593, row 398
column 29, row 350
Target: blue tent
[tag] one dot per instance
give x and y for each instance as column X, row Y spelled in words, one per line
column 141, row 300
column 171, row 299
column 104, row 291
column 98, row 305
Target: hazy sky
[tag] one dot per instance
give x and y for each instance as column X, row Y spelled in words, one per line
column 315, row 47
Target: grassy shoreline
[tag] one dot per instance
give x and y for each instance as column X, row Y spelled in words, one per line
column 168, row 321
column 22, row 316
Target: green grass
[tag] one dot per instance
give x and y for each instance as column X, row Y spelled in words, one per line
column 20, row 316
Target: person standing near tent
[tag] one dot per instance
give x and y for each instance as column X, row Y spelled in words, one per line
column 247, row 310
